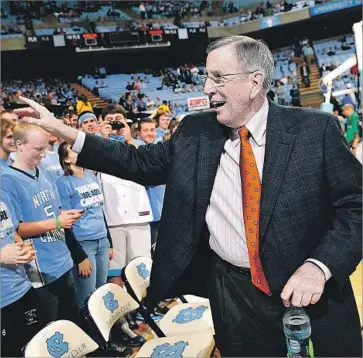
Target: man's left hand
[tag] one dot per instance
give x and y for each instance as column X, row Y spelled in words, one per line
column 304, row 287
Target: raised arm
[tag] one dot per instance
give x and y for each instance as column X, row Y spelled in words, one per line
column 147, row 165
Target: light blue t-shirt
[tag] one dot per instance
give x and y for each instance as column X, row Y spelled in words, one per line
column 156, row 197
column 14, row 281
column 52, row 166
column 3, row 164
column 84, row 193
column 161, row 132
column 155, row 193
column 34, row 198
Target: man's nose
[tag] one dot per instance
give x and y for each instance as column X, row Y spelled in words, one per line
column 209, row 89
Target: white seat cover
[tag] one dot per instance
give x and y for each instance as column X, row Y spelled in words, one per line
column 194, row 299
column 107, row 304
column 137, row 273
column 60, row 339
column 187, row 317
column 198, row 344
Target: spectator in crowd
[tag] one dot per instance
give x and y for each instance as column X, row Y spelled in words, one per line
column 134, row 128
column 309, row 54
column 103, row 74
column 87, row 122
column 162, row 118
column 280, row 93
column 83, row 105
column 305, row 74
column 49, row 99
column 18, row 297
column 79, row 189
column 72, row 117
column 352, row 126
column 295, row 96
column 127, row 218
column 173, row 125
column 36, row 204
column 348, row 99
column 147, row 135
column 7, row 144
column 142, row 11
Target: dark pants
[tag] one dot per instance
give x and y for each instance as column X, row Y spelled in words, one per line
column 249, row 323
column 59, row 300
column 19, row 324
column 296, row 102
column 306, row 80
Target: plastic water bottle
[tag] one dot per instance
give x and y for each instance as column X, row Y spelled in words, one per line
column 297, row 331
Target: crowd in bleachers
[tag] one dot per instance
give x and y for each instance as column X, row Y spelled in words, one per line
column 168, row 9
column 285, row 90
column 96, row 12
column 50, row 91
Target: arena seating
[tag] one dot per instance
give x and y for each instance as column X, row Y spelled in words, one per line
column 330, row 53
column 117, row 86
column 284, row 67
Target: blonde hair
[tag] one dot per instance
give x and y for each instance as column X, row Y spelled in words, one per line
column 23, row 130
column 5, row 125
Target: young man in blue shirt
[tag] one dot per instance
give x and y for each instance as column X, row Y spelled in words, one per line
column 36, row 205
column 147, row 134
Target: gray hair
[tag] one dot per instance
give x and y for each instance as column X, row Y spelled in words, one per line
column 252, row 55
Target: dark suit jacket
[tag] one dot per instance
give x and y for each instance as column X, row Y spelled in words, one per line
column 311, row 198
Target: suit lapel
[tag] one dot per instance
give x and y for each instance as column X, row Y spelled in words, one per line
column 211, row 144
column 278, row 147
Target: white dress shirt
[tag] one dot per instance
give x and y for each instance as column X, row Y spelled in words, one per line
column 224, row 215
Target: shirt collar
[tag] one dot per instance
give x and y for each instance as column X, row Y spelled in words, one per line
column 256, row 125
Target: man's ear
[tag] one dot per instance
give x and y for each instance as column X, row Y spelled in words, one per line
column 258, row 78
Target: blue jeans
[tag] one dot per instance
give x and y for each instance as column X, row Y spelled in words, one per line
column 98, row 255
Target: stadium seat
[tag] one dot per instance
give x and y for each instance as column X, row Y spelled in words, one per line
column 104, row 308
column 60, row 338
column 184, row 317
column 192, row 299
column 187, row 318
column 200, row 344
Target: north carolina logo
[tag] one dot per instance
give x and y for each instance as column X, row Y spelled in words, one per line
column 190, row 314
column 110, row 302
column 169, row 350
column 56, row 346
column 143, row 271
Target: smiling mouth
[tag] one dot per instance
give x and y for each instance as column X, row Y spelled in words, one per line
column 217, row 104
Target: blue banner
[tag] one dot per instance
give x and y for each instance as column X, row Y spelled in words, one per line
column 266, row 22
column 333, row 6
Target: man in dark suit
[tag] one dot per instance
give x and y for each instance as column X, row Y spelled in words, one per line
column 252, row 249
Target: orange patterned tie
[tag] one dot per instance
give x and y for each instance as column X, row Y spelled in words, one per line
column 251, row 196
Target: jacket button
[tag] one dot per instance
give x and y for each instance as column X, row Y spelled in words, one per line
column 172, row 278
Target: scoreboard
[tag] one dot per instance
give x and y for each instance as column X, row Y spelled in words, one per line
column 113, row 39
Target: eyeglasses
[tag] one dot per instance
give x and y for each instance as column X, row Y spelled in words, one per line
column 220, row 79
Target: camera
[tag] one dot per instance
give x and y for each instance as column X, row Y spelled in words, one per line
column 117, row 125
